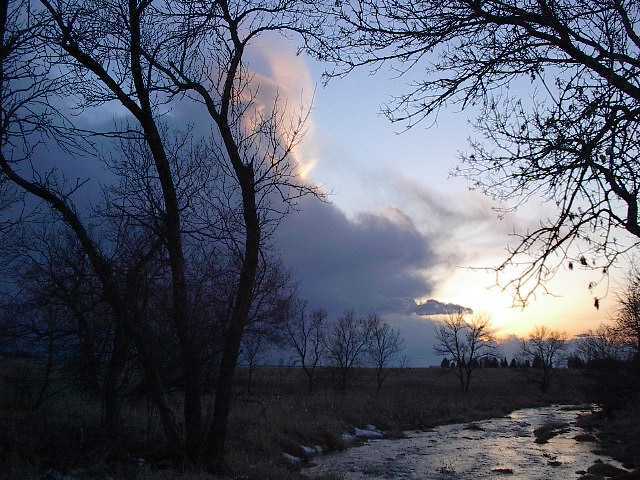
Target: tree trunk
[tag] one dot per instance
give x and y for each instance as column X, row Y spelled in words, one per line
column 545, row 380
column 224, row 388
column 116, row 366
column 309, row 381
column 88, row 362
column 189, row 355
column 47, row 374
column 345, row 379
column 250, row 379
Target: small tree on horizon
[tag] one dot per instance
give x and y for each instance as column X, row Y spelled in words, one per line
column 544, row 346
column 466, row 342
column 385, row 345
column 306, row 335
column 346, row 344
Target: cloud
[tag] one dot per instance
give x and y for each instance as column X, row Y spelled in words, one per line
column 281, row 74
column 373, row 262
column 434, row 307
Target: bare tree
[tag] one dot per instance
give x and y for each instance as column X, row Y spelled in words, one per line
column 604, row 344
column 573, row 144
column 385, row 346
column 346, row 343
column 305, row 334
column 464, row 342
column 205, row 60
column 543, row 347
column 143, row 56
column 31, row 87
column 627, row 318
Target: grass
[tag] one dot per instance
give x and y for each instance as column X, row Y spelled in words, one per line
column 279, row 416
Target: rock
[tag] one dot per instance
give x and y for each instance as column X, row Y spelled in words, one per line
column 554, row 463
column 550, row 430
column 584, row 437
column 474, row 426
column 589, row 476
column 504, row 471
column 348, row 439
column 291, row 460
column 575, row 408
column 99, row 472
column 54, row 475
column 308, row 452
column 605, row 470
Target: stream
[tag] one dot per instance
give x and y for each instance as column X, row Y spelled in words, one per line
column 473, row 451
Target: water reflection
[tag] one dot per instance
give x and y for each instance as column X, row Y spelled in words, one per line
column 486, row 450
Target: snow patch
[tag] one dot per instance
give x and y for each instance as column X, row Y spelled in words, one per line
column 368, row 434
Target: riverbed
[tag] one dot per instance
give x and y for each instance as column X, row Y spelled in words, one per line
column 486, row 449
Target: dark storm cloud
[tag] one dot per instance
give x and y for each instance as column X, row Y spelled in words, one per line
column 434, row 307
column 369, row 263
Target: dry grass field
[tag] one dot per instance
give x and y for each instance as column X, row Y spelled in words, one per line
column 278, row 416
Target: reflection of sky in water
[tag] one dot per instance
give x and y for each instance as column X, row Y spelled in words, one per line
column 454, row 452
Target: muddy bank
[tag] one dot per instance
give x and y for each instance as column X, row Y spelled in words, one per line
column 618, row 435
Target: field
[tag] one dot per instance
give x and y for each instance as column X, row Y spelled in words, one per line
column 278, row 415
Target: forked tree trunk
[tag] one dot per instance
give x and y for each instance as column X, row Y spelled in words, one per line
column 189, row 355
column 217, row 436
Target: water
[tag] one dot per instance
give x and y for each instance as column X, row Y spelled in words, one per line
column 456, row 452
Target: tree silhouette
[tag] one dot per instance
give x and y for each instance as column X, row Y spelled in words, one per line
column 544, row 346
column 466, row 342
column 385, row 346
column 227, row 192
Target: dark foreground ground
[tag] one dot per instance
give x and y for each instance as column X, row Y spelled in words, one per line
column 62, row 439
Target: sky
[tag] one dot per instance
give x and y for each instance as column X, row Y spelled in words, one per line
column 397, row 227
